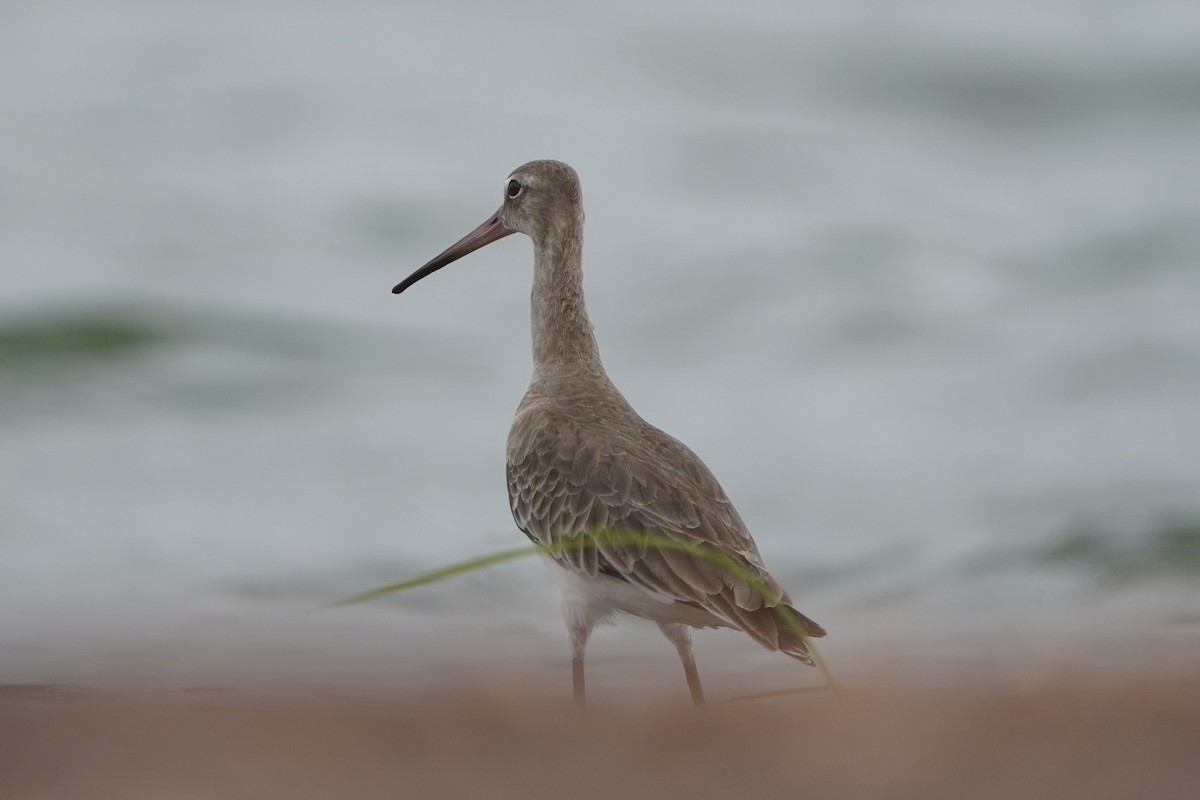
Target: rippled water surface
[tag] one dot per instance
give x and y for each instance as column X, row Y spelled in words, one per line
column 920, row 284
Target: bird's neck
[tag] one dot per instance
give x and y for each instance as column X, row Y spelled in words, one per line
column 563, row 342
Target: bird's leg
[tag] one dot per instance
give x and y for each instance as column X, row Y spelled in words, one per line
column 680, row 636
column 579, row 638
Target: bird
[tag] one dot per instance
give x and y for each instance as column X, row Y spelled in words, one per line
column 630, row 519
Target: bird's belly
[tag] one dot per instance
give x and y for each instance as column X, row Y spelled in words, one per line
column 592, row 600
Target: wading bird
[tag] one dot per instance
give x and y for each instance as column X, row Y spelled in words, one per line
column 631, row 519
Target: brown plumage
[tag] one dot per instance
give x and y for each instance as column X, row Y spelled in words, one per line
column 634, row 519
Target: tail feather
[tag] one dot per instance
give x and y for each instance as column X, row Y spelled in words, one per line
column 794, row 629
column 779, row 627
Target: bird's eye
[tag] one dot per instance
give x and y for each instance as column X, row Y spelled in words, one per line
column 513, row 189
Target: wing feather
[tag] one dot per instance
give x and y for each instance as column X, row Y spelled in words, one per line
column 570, row 478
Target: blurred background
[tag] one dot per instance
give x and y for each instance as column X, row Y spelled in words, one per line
column 919, row 282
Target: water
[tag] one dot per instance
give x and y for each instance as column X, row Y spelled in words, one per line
column 919, row 284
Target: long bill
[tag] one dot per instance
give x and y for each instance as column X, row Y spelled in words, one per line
column 491, row 230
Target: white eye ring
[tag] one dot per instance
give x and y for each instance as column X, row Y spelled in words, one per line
column 513, row 188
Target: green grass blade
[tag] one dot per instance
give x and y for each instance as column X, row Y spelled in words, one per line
column 825, row 673
column 442, row 574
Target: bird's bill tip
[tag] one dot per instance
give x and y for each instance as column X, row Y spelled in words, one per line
column 491, row 230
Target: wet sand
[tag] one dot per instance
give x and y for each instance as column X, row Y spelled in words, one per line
column 1056, row 738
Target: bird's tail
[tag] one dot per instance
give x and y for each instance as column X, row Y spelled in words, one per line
column 778, row 627
column 794, row 631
